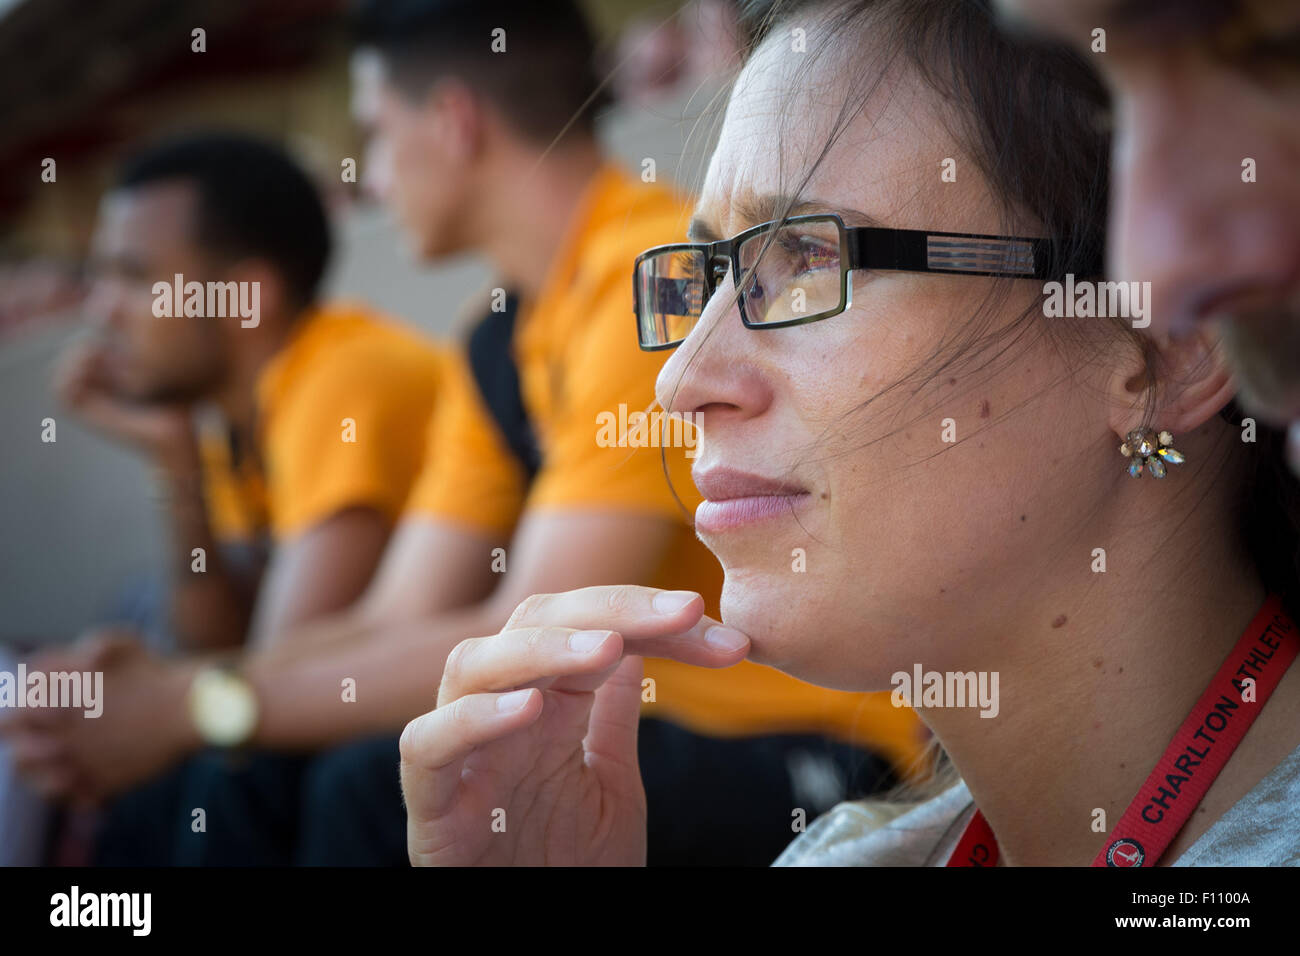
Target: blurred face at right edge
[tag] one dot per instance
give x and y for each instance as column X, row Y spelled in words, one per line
column 1202, row 87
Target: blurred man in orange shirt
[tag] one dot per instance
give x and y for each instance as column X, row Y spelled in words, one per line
column 302, row 400
column 285, row 433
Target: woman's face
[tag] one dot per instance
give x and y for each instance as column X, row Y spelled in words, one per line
column 889, row 545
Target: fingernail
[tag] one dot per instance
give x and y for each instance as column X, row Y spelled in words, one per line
column 584, row 642
column 670, row 602
column 725, row 638
column 513, row 700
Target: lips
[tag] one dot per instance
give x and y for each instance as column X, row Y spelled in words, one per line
column 735, row 498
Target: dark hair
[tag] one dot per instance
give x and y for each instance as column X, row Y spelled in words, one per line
column 253, row 200
column 544, row 83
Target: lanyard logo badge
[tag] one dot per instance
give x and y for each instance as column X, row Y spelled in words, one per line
column 1125, row 853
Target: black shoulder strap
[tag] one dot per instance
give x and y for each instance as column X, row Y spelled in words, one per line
column 492, row 361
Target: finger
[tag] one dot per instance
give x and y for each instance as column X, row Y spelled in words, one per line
column 434, row 746
column 98, row 649
column 52, row 783
column 616, row 716
column 73, row 367
column 532, row 656
column 106, row 412
column 630, row 609
column 640, row 614
column 581, row 659
column 31, row 751
column 707, row 643
column 34, row 719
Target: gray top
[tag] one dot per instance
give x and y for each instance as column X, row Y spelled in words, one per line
column 1261, row 829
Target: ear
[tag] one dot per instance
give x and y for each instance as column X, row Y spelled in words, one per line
column 460, row 118
column 1189, row 378
column 273, row 299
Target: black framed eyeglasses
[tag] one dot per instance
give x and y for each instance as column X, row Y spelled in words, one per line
column 796, row 270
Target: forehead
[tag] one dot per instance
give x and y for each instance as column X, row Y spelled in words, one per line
column 153, row 215
column 368, row 76
column 885, row 128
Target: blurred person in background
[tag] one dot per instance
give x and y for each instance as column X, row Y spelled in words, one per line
column 31, row 289
column 1207, row 196
column 285, row 436
column 475, row 151
column 691, row 49
column 309, row 398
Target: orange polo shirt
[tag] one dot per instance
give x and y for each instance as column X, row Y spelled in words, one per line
column 580, row 369
column 343, row 413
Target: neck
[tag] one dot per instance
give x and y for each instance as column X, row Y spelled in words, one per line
column 1086, row 712
column 528, row 208
column 250, row 351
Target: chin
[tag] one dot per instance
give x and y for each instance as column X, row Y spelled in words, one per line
column 809, row 631
column 783, row 628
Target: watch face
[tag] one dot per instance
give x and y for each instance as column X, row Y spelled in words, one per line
column 223, row 707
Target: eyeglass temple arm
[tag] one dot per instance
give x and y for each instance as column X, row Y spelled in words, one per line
column 917, row 250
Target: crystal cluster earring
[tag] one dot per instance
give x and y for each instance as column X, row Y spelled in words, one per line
column 1144, row 447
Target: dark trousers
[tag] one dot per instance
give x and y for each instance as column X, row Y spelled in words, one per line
column 342, row 807
column 711, row 802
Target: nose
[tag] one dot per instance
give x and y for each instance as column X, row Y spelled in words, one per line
column 718, row 369
column 1183, row 215
column 102, row 304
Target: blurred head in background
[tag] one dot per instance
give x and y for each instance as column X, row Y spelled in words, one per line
column 455, row 96
column 1207, row 198
column 211, row 208
column 693, row 47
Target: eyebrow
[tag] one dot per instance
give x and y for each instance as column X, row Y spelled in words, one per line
column 753, row 210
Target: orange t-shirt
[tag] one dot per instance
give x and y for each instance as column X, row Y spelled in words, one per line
column 343, row 412
column 581, row 371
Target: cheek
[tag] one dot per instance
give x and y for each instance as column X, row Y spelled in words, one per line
column 407, row 165
column 915, row 456
column 850, row 375
column 404, row 173
column 377, row 177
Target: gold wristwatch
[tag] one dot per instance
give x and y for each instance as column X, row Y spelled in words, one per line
column 223, row 707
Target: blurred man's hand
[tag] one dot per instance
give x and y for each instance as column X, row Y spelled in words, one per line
column 164, row 432
column 143, row 728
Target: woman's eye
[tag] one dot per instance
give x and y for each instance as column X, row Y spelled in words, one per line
column 814, row 256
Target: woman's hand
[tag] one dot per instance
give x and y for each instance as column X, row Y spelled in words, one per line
column 530, row 756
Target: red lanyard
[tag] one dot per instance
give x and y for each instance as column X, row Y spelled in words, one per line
column 1193, row 758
